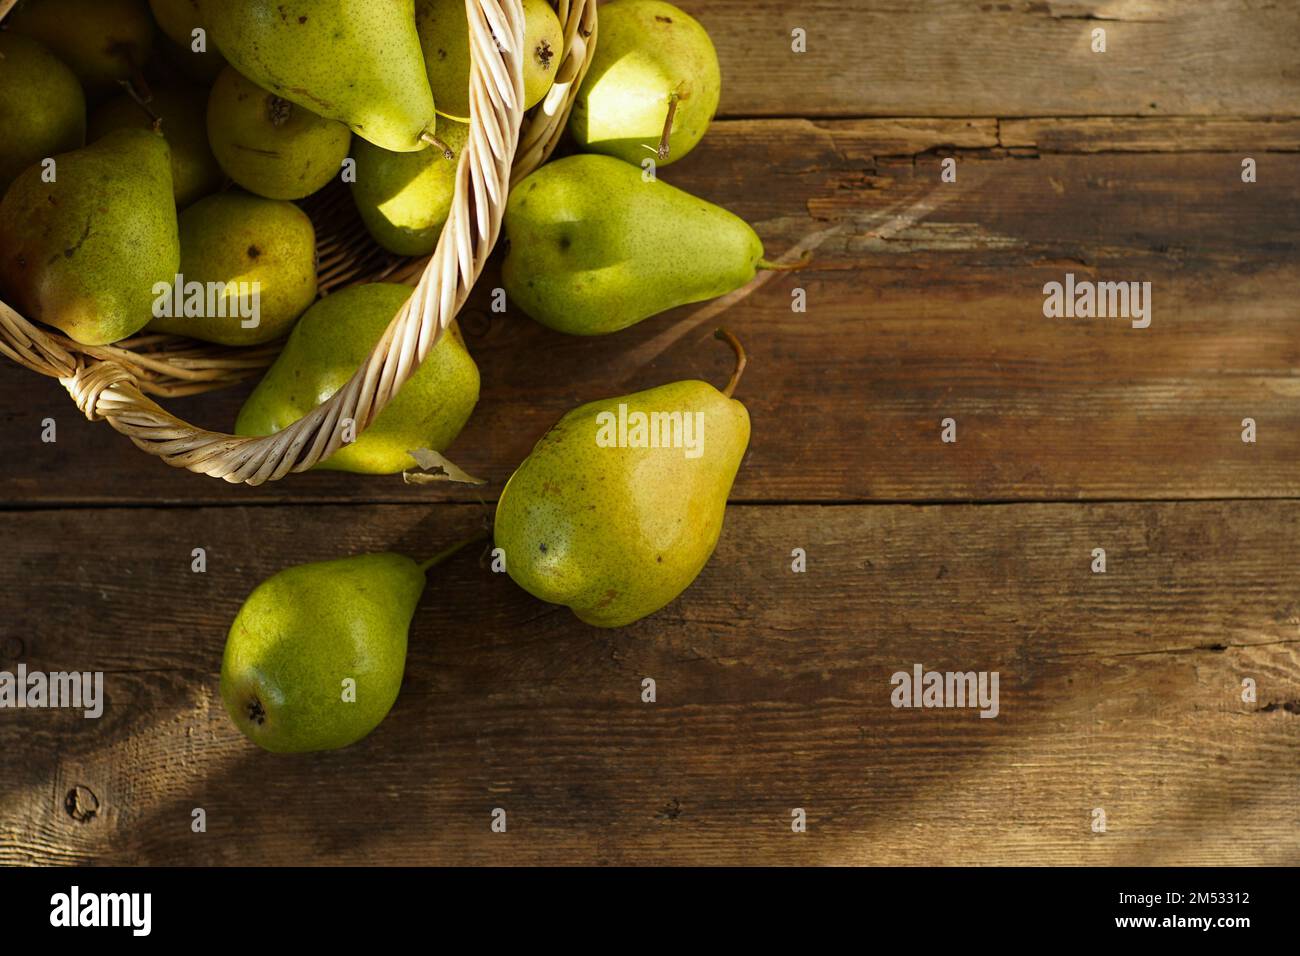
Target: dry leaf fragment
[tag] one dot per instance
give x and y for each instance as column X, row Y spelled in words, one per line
column 437, row 468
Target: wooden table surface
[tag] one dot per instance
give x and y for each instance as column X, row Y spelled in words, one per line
column 1120, row 692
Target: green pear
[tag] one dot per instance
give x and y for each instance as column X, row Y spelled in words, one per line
column 444, row 38
column 315, row 657
column 91, row 252
column 324, row 351
column 594, row 247
column 652, row 87
column 178, row 19
column 268, row 145
column 42, row 108
column 232, row 238
column 620, row 505
column 355, row 61
column 104, row 41
column 195, row 172
column 405, row 198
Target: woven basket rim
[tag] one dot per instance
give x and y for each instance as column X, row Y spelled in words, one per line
column 110, row 382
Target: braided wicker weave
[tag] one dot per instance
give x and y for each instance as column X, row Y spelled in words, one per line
column 113, row 382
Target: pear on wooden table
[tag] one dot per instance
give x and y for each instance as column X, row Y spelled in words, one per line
column 654, row 72
column 594, row 247
column 324, row 351
column 42, row 107
column 619, row 506
column 355, row 61
column 315, row 657
column 88, row 252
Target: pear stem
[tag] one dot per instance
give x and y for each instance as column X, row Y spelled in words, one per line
column 438, row 144
column 662, row 151
column 741, row 360
column 444, row 555
column 143, row 103
column 788, row 267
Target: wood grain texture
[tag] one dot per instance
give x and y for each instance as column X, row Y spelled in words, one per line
column 929, row 297
column 1011, row 58
column 1119, row 691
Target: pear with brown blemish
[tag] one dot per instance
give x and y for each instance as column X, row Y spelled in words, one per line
column 444, row 37
column 620, row 505
column 88, row 252
column 355, row 61
column 262, row 252
column 269, row 145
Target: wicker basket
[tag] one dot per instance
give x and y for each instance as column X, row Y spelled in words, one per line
column 113, row 382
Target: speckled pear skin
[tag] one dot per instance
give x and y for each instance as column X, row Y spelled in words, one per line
column 195, row 172
column 648, row 50
column 301, row 633
column 103, row 41
column 42, row 108
column 325, row 349
column 617, row 533
column 235, row 237
column 356, row 61
column 405, row 198
column 444, row 38
column 84, row 253
column 595, row 248
column 268, row 145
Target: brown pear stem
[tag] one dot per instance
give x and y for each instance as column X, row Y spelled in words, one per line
column 438, row 144
column 741, row 360
column 132, row 92
column 138, row 82
column 788, row 267
column 445, row 554
column 662, row 151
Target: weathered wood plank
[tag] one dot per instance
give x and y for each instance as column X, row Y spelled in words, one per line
column 1120, row 691
column 967, row 58
column 924, row 302
column 1179, row 134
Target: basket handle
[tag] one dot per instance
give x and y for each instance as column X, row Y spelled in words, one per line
column 495, row 156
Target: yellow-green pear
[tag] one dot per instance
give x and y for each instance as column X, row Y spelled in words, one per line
column 188, row 44
column 42, row 108
column 262, row 252
column 355, row 61
column 444, row 38
column 269, row 145
column 653, row 85
column 103, row 41
column 405, row 198
column 90, row 251
column 315, row 657
column 620, row 504
column 195, row 172
column 324, row 351
column 596, row 247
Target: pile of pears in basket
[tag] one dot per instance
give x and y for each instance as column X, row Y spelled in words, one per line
column 153, row 158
